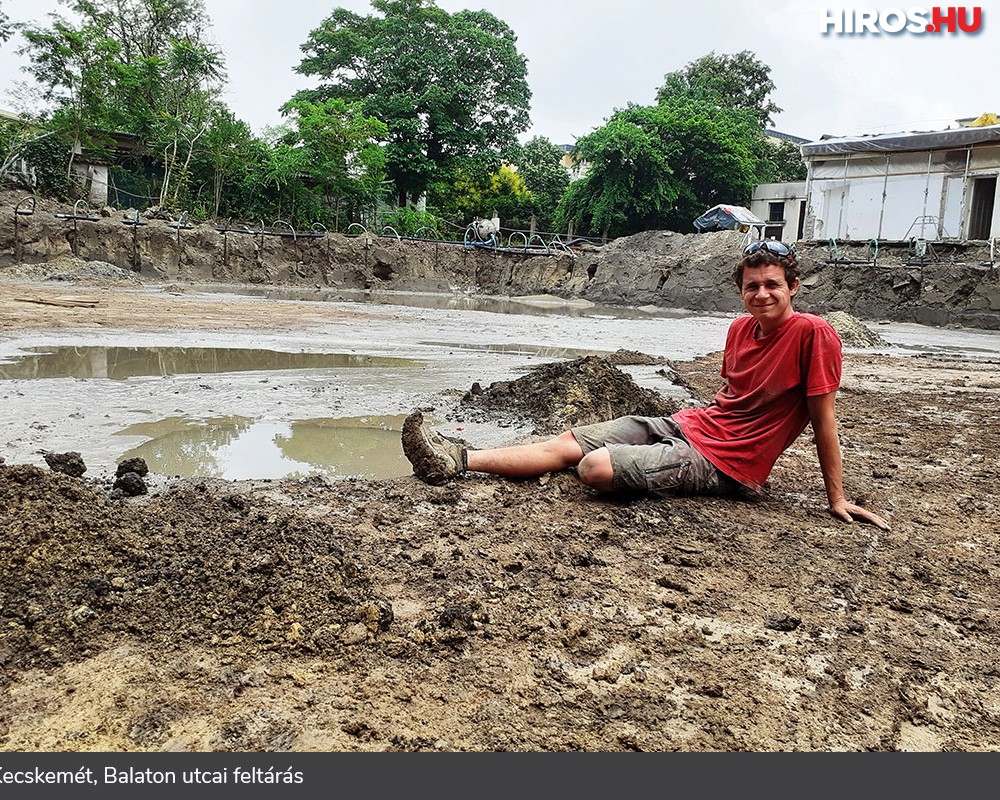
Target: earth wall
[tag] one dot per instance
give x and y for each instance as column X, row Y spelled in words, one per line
column 947, row 284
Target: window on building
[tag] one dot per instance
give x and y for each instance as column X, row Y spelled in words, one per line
column 981, row 213
column 774, row 232
column 776, row 211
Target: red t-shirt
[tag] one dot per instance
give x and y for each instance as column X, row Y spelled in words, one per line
column 762, row 408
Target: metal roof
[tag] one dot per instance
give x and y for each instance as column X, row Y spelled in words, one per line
column 901, row 142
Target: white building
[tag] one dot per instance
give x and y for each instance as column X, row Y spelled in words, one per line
column 933, row 185
column 783, row 207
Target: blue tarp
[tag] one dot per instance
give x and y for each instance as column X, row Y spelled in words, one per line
column 727, row 218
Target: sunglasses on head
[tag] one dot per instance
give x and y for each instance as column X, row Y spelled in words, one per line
column 775, row 248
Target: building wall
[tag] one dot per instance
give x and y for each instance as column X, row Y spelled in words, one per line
column 781, row 206
column 903, row 195
column 93, row 181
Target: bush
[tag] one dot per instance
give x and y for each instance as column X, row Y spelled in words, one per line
column 410, row 222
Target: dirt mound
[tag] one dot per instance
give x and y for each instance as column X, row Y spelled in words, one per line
column 68, row 463
column 852, row 331
column 560, row 395
column 210, row 568
column 71, row 268
column 629, row 358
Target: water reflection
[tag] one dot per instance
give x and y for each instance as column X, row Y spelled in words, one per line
column 120, row 363
column 539, row 305
column 521, row 349
column 238, row 448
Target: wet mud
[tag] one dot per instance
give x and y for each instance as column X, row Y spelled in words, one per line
column 485, row 615
column 480, row 614
column 554, row 397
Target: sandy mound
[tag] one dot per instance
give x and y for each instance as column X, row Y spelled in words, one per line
column 71, row 268
column 852, row 331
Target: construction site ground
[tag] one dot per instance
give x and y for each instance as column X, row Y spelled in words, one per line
column 312, row 614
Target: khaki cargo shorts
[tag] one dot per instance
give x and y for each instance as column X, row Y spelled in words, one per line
column 650, row 454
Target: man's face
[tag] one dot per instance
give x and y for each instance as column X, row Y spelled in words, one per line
column 767, row 296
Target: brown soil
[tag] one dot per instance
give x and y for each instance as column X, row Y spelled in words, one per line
column 958, row 284
column 555, row 397
column 485, row 614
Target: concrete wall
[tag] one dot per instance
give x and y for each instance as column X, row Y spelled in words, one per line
column 93, row 181
column 903, row 195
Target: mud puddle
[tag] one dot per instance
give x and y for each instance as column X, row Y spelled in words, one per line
column 295, row 407
column 121, row 363
column 533, row 305
column 236, row 448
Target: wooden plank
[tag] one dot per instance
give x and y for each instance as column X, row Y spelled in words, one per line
column 63, row 302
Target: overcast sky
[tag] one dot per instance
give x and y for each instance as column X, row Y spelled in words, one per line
column 587, row 58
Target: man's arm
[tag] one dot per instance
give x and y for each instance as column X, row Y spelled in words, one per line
column 824, row 425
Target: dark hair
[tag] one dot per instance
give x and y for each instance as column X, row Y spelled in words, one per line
column 763, row 258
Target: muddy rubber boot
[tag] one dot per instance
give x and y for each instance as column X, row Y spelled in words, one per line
column 434, row 458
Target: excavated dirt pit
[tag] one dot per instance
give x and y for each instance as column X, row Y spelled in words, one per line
column 385, row 614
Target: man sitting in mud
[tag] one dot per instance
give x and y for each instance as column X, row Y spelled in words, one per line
column 782, row 370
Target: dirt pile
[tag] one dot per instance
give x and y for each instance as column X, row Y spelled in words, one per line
column 558, row 396
column 853, row 332
column 630, row 358
column 73, row 269
column 196, row 565
column 68, row 463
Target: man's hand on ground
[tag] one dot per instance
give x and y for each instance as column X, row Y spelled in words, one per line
column 849, row 512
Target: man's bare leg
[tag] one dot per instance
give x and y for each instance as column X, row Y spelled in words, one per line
column 527, row 460
column 436, row 459
column 553, row 455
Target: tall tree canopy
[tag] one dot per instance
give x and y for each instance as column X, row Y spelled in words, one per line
column 662, row 166
column 340, row 149
column 141, row 66
column 452, row 88
column 739, row 81
column 702, row 144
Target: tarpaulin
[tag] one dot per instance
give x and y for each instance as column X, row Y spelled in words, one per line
column 898, row 142
column 727, row 218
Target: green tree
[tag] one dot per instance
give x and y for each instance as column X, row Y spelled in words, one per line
column 341, row 150
column 225, row 149
column 141, row 66
column 473, row 195
column 278, row 175
column 48, row 156
column 630, row 184
column 188, row 78
column 71, row 65
column 662, row 166
column 539, row 163
column 782, row 162
column 167, row 81
column 5, row 27
column 255, row 179
column 410, row 222
column 738, row 81
column 41, row 149
column 452, row 88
